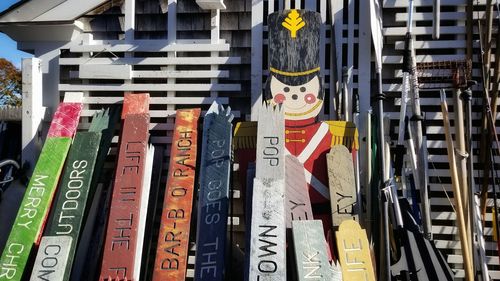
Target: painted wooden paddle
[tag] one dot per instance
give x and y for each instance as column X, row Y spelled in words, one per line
column 298, row 203
column 74, row 191
column 104, row 123
column 50, row 262
column 343, row 197
column 268, row 239
column 354, row 252
column 310, row 249
column 30, row 221
column 69, row 206
column 122, row 235
column 173, row 240
column 213, row 199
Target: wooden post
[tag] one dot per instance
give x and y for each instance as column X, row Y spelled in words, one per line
column 213, row 199
column 129, row 26
column 123, row 234
column 30, row 221
column 33, row 111
column 173, row 239
column 268, row 239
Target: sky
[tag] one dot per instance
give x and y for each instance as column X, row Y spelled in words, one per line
column 8, row 47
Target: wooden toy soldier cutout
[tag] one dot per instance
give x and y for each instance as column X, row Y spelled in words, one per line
column 295, row 82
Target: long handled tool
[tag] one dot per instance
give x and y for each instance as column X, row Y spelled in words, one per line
column 345, row 113
column 461, row 152
column 478, row 245
column 417, row 127
column 469, row 274
column 355, row 119
column 494, row 174
column 436, row 19
column 496, row 71
column 485, row 44
column 457, row 75
column 379, row 96
column 400, row 147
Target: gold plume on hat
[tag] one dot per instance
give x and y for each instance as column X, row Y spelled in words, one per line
column 293, row 23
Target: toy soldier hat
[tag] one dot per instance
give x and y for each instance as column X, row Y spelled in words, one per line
column 294, row 43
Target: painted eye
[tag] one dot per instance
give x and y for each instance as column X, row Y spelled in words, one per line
column 310, row 98
column 286, row 89
column 302, row 89
column 279, row 98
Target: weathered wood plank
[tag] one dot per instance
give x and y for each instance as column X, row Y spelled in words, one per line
column 180, row 74
column 403, row 17
column 143, row 209
column 428, row 3
column 211, row 4
column 135, row 104
column 256, row 56
column 30, row 221
column 152, row 87
column 298, row 203
column 268, row 239
column 105, row 71
column 119, row 258
column 173, row 239
column 159, row 100
column 343, row 197
column 214, row 194
column 155, row 114
column 310, row 249
column 84, row 266
column 148, row 46
column 441, row 44
column 153, row 61
column 354, row 252
column 423, row 58
column 50, row 261
column 153, row 212
column 423, row 30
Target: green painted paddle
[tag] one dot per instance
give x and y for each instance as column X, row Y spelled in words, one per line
column 30, row 221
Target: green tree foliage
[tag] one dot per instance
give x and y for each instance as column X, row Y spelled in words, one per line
column 10, row 83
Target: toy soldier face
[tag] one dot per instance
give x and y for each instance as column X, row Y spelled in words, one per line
column 299, row 102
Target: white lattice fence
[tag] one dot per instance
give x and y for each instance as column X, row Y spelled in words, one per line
column 451, row 46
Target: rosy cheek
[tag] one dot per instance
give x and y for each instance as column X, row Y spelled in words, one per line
column 310, row 98
column 279, row 98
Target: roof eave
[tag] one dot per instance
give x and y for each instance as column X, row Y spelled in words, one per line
column 42, row 32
